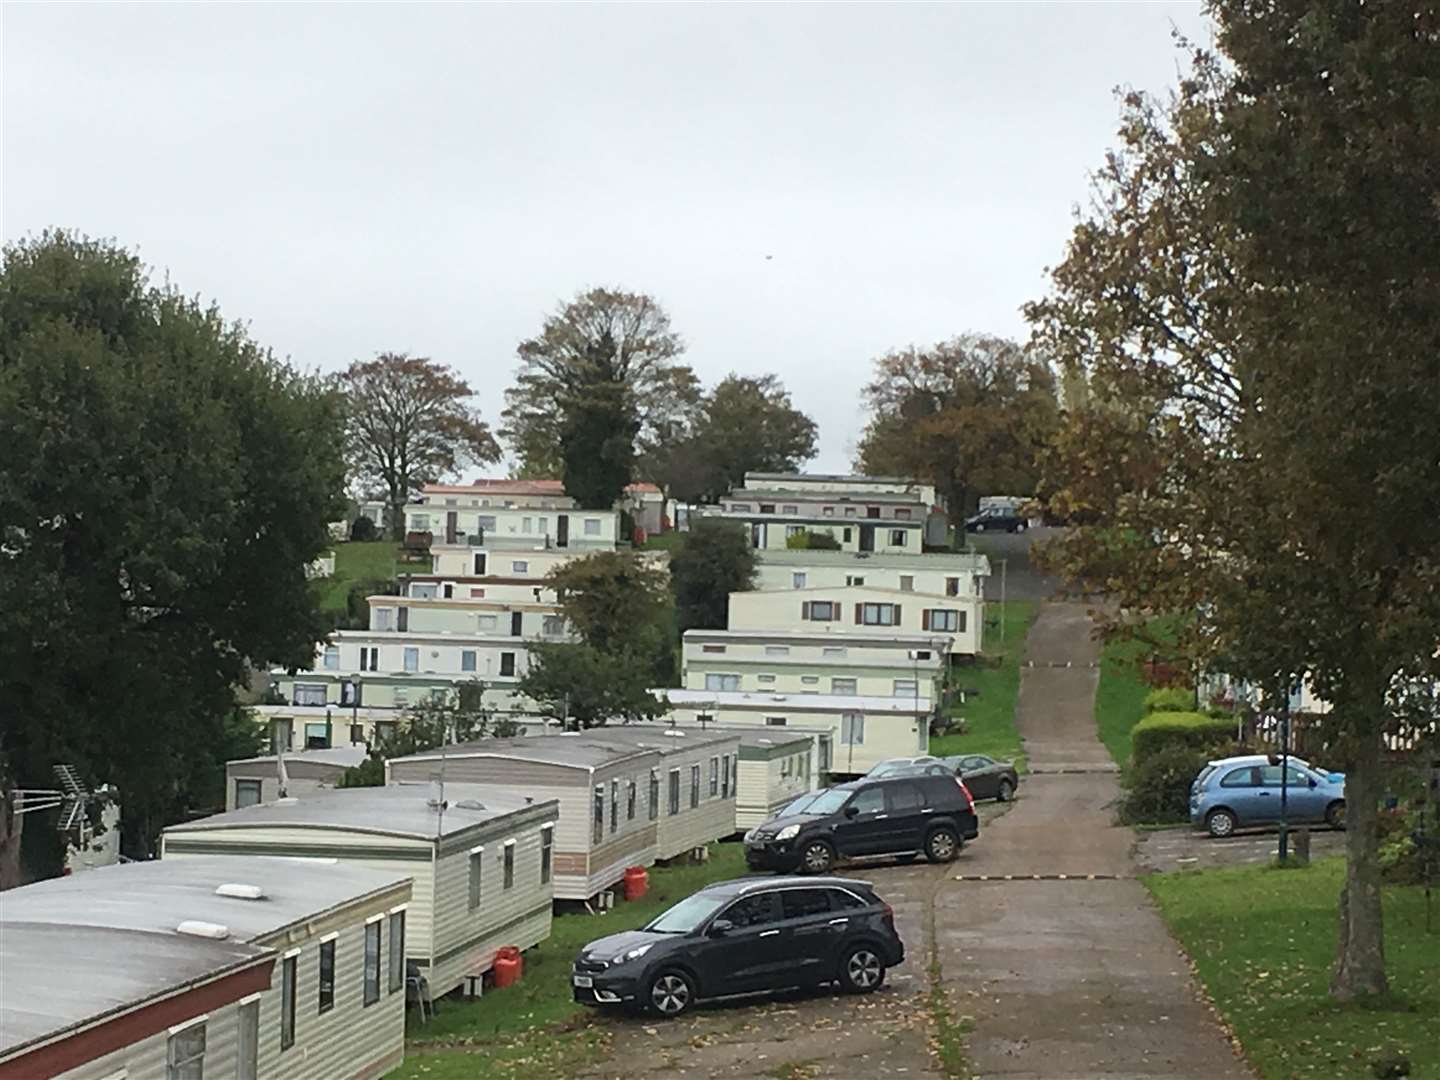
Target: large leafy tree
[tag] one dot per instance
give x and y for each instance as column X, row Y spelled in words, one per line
column 586, row 687
column 167, row 484
column 714, row 559
column 428, row 725
column 611, row 598
column 408, row 422
column 1256, row 303
column 602, row 374
column 970, row 415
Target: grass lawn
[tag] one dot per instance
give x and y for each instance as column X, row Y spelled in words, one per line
column 1263, row 941
column 355, row 561
column 534, row 1029
column 1120, row 697
column 990, row 715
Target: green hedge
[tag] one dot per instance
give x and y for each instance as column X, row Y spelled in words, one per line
column 1193, row 729
column 1169, row 699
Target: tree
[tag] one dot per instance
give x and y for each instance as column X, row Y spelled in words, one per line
column 970, row 415
column 749, row 425
column 586, row 687
column 176, row 482
column 612, row 599
column 713, row 560
column 1255, row 299
column 407, row 424
column 812, row 540
column 600, row 375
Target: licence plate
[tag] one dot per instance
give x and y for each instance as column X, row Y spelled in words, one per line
column 585, row 982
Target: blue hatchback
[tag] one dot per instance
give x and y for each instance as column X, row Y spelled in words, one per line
column 1244, row 791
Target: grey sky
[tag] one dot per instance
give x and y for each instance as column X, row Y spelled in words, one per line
column 352, row 179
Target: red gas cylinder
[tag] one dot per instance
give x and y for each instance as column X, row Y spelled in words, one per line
column 509, row 966
column 637, row 882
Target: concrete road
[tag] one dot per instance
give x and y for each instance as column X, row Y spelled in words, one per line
column 1072, row 978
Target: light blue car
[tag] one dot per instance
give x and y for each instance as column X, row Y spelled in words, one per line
column 1240, row 792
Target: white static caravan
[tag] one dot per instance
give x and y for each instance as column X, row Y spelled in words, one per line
column 255, row 780
column 698, row 770
column 230, row 967
column 861, row 609
column 865, row 730
column 482, row 867
column 775, row 768
column 609, row 794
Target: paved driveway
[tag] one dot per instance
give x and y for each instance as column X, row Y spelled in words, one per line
column 1071, row 976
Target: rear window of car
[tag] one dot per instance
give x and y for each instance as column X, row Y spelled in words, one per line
column 904, row 797
column 797, row 903
column 941, row 791
column 1205, row 773
column 844, row 899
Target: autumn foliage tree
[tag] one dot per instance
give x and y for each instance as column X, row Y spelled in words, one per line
column 602, row 374
column 408, row 423
column 970, row 415
column 1255, row 301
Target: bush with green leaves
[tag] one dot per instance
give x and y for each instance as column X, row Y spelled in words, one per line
column 363, row 530
column 812, row 541
column 1159, row 730
column 1158, row 789
column 1169, row 699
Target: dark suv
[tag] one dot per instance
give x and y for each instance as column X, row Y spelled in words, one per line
column 745, row 937
column 892, row 816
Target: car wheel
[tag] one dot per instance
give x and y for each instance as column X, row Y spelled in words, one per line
column 817, row 858
column 942, row 845
column 1220, row 823
column 862, row 971
column 980, row 527
column 671, row 994
column 1021, row 526
column 1005, row 792
column 1335, row 814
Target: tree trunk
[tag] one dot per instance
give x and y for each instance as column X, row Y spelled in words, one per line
column 1360, row 958
column 397, row 517
column 11, row 825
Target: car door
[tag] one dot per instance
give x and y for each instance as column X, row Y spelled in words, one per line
column 1302, row 802
column 814, row 932
column 981, row 776
column 745, row 956
column 1242, row 791
column 905, row 803
column 863, row 822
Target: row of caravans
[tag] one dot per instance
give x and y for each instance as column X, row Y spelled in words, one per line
column 491, row 833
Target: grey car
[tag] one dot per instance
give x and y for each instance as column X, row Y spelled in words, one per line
column 984, row 776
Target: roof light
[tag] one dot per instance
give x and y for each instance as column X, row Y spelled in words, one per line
column 239, row 891
column 199, row 928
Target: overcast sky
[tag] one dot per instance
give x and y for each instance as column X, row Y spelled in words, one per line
column 351, row 179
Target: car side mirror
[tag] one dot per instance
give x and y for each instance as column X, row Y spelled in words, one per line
column 1313, row 782
column 721, row 927
column 851, row 811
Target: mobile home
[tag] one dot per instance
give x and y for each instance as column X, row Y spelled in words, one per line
column 481, row 860
column 862, row 609
column 237, row 967
column 255, row 780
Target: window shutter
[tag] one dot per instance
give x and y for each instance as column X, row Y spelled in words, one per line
column 897, row 614
column 835, row 611
column 857, row 614
column 925, row 619
column 805, row 609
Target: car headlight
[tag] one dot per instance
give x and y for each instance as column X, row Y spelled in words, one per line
column 789, row 832
column 750, row 836
column 635, row 953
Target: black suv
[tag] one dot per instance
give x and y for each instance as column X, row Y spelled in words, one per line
column 745, row 937
column 891, row 816
column 997, row 521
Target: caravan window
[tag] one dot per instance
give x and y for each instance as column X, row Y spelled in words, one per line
column 372, row 962
column 185, row 1054
column 694, row 786
column 674, row 791
column 654, row 794
column 714, row 776
column 397, row 953
column 477, row 865
column 547, row 853
column 247, row 793
column 309, row 694
column 598, row 832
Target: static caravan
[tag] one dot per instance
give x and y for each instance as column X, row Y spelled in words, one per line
column 235, row 967
column 482, row 861
column 775, row 768
column 255, row 780
column 609, row 794
column 936, row 574
column 865, row 610
column 698, row 771
column 865, row 730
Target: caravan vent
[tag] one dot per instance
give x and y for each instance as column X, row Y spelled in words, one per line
column 674, row 734
column 197, row 928
column 288, row 800
column 469, row 804
column 237, row 891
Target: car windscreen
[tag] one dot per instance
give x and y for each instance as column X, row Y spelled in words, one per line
column 688, row 914
column 827, row 802
column 799, row 805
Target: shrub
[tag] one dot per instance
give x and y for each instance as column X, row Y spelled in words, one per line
column 1169, row 699
column 363, row 530
column 1190, row 729
column 815, row 541
column 1159, row 787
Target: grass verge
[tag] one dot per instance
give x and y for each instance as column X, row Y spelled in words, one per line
column 357, row 561
column 534, row 1029
column 990, row 714
column 1263, row 942
column 1120, row 697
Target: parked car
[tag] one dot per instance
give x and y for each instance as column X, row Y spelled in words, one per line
column 896, row 765
column 902, row 815
column 1241, row 791
column 744, row 937
column 984, row 776
column 997, row 521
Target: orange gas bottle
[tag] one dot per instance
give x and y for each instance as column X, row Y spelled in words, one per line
column 637, row 882
column 509, row 966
